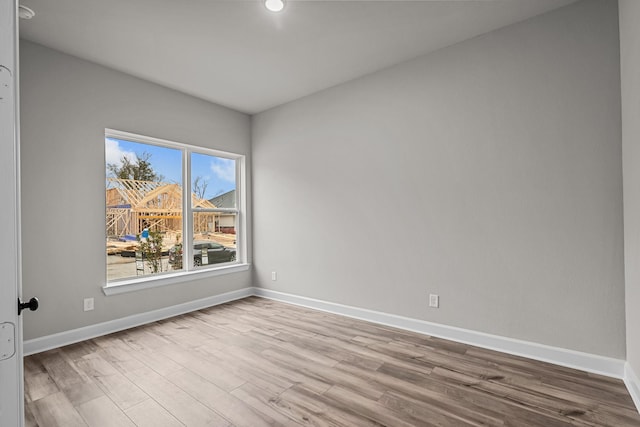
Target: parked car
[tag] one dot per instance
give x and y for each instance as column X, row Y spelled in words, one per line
column 214, row 253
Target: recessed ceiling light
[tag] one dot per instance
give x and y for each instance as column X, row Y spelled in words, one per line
column 274, row 5
column 25, row 13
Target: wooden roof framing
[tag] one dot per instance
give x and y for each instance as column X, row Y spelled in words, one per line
column 133, row 205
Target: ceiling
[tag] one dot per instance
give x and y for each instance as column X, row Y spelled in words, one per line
column 237, row 54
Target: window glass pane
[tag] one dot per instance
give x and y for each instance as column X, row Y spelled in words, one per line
column 213, row 181
column 213, row 242
column 144, row 209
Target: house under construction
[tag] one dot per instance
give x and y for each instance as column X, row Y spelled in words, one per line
column 134, row 205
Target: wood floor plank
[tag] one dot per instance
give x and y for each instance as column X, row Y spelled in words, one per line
column 76, row 351
column 227, row 405
column 369, row 409
column 428, row 413
column 317, row 409
column 102, row 412
column 29, row 419
column 540, row 407
column 258, row 363
column 382, row 356
column 197, row 362
column 151, row 414
column 277, row 370
column 78, row 388
column 120, row 358
column 144, row 339
column 323, row 373
column 330, row 349
column 39, row 385
column 449, row 402
column 179, row 404
column 56, row 410
column 295, row 325
column 160, row 363
column 461, row 387
column 113, row 383
column 294, row 412
column 265, row 402
column 303, row 375
column 251, row 372
column 293, row 348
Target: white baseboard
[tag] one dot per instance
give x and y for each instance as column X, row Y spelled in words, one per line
column 633, row 384
column 570, row 358
column 49, row 342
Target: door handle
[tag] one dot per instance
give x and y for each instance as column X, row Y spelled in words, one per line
column 32, row 305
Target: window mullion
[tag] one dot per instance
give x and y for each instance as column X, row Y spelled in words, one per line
column 187, row 217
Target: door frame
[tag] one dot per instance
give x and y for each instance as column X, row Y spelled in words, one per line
column 11, row 367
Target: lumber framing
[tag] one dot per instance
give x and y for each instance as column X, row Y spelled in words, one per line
column 133, row 205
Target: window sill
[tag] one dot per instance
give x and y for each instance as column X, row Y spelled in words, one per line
column 137, row 284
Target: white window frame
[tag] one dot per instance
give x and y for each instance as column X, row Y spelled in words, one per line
column 190, row 272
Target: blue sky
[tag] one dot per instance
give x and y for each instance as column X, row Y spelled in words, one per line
column 217, row 173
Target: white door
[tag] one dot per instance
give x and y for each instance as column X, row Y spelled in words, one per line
column 11, row 386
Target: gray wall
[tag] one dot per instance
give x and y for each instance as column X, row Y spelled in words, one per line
column 66, row 103
column 488, row 172
column 630, row 72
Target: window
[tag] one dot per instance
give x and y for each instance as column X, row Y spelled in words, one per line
column 171, row 209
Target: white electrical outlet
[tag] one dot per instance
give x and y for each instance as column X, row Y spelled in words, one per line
column 274, row 275
column 434, row 300
column 88, row 304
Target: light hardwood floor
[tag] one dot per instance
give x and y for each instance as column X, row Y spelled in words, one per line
column 257, row 362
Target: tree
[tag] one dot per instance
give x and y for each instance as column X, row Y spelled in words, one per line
column 199, row 187
column 151, row 250
column 140, row 169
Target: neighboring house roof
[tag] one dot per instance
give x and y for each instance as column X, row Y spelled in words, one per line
column 225, row 200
